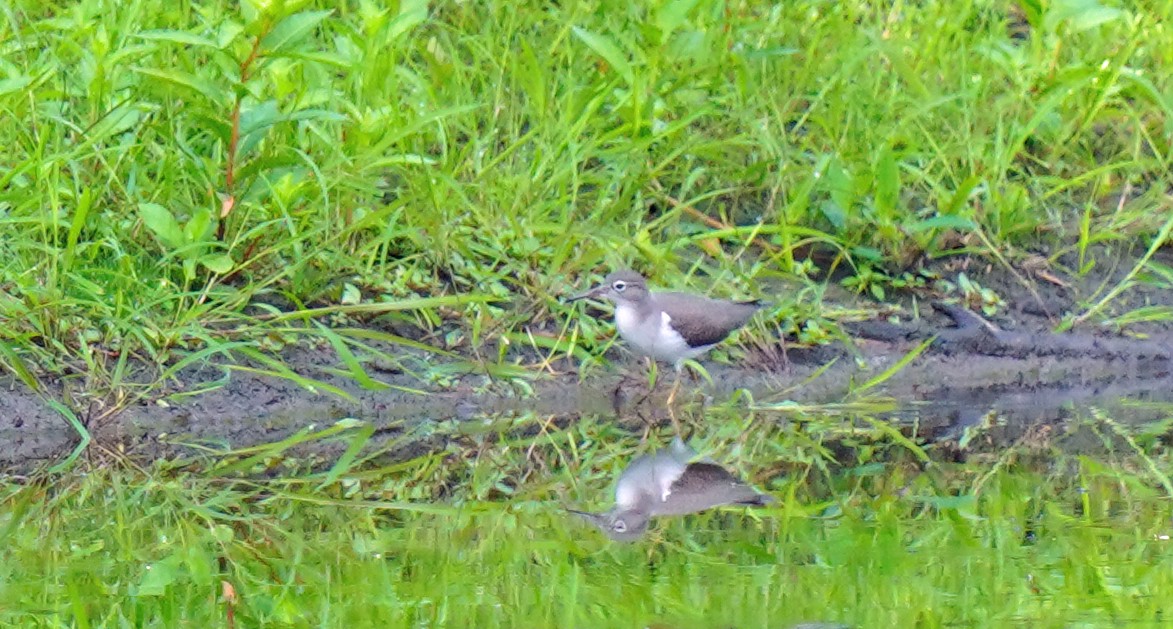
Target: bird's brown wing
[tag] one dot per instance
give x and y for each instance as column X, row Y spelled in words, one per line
column 704, row 321
column 704, row 486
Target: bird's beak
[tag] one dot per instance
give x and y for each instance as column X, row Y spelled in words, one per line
column 594, row 292
column 593, row 518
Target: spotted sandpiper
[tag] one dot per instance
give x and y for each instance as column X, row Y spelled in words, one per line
column 669, row 482
column 669, row 326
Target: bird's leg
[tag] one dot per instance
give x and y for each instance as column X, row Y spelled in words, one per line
column 648, row 424
column 671, row 399
column 618, row 399
column 653, row 378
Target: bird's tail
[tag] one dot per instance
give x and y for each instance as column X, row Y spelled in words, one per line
column 760, row 500
column 760, row 304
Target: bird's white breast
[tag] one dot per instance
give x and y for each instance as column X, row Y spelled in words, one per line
column 651, row 336
column 647, row 482
column 627, row 321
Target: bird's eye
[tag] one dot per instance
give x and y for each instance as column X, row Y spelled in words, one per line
column 619, row 286
column 619, row 526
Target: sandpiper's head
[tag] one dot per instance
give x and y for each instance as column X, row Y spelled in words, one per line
column 619, row 287
column 621, row 526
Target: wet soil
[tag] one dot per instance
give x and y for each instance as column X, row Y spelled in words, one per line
column 1010, row 366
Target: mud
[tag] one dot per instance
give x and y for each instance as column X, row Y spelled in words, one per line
column 1010, row 366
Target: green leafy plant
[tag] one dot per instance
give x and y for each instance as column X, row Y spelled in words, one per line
column 193, row 242
column 409, row 152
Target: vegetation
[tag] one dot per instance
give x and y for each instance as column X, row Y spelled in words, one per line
column 876, row 543
column 416, row 185
column 188, row 175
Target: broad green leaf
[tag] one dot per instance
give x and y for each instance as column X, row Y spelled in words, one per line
column 162, row 223
column 1090, row 19
column 227, row 33
column 411, row 13
column 250, row 10
column 219, row 263
column 610, row 53
column 255, row 124
column 834, row 213
column 158, row 576
column 189, row 83
column 15, row 84
column 867, row 253
column 1081, row 15
column 199, row 227
column 290, row 31
column 177, row 37
column 199, row 564
column 959, row 223
column 118, row 120
column 259, row 116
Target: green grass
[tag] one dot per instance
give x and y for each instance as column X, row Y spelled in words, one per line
column 419, row 185
column 457, row 178
column 476, row 536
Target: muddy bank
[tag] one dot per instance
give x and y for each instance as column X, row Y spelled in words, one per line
column 941, row 393
column 1010, row 364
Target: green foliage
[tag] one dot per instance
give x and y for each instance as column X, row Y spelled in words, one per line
column 189, row 181
column 179, row 164
column 477, row 536
column 189, row 242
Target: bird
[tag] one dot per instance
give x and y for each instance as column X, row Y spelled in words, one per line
column 669, row 326
column 669, row 482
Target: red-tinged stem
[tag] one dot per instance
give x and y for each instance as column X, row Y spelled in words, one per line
column 234, row 139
